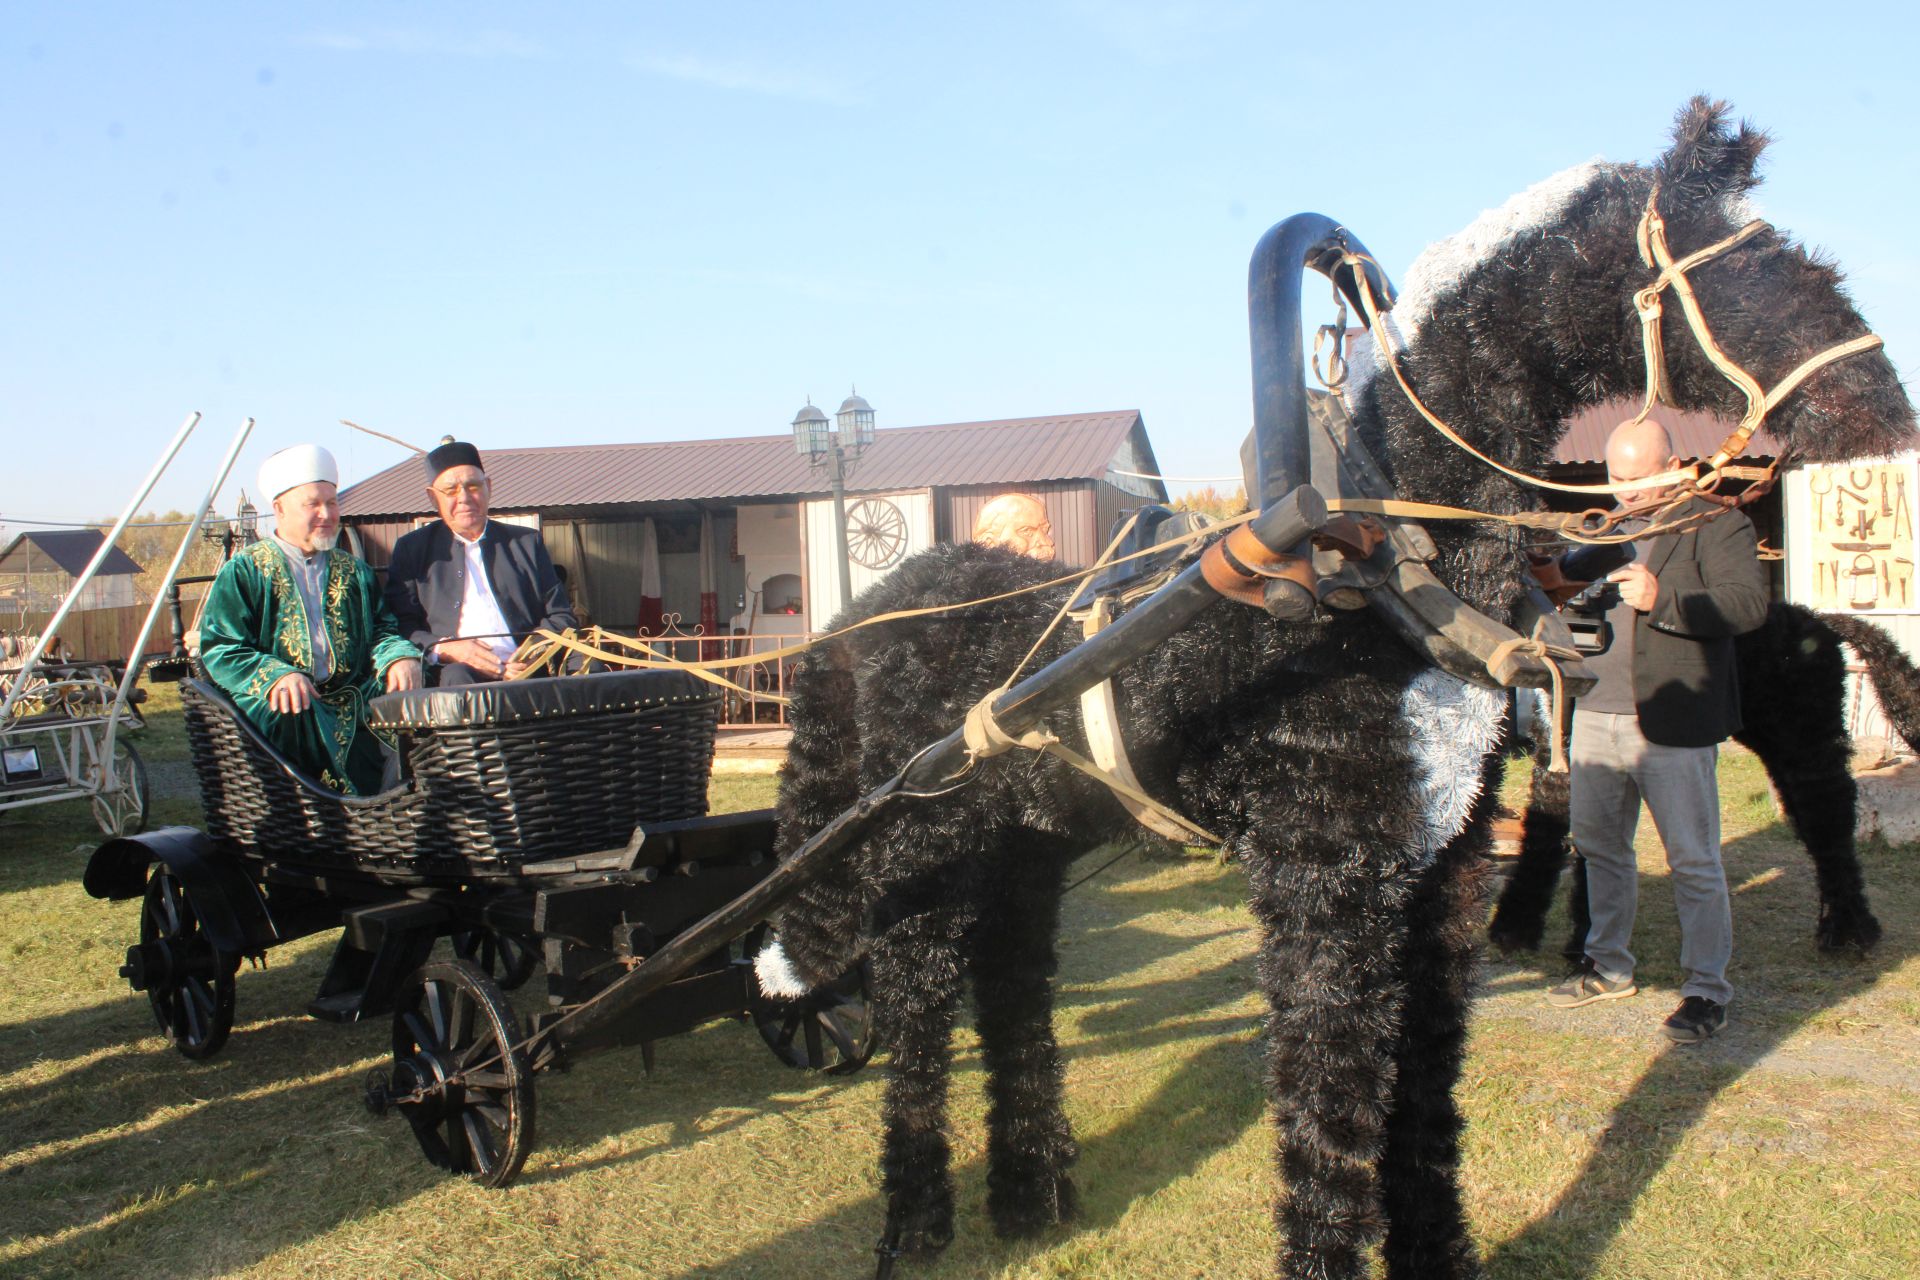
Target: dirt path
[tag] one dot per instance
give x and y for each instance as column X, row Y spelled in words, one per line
column 1883, row 1053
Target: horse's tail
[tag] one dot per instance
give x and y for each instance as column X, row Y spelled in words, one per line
column 1895, row 679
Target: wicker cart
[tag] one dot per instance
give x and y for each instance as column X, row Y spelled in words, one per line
column 544, row 823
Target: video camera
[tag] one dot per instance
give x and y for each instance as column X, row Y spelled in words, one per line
column 1587, row 609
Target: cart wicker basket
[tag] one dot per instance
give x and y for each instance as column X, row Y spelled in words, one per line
column 500, row 775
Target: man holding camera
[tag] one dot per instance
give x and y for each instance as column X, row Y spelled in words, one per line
column 1650, row 729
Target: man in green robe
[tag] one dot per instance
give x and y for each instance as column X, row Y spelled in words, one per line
column 297, row 632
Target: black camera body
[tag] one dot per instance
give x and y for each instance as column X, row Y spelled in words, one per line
column 1587, row 611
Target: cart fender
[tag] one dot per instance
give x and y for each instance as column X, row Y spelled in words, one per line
column 227, row 902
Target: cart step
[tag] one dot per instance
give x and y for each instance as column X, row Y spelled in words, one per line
column 379, row 946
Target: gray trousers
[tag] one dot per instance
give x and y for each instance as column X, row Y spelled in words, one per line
column 1613, row 769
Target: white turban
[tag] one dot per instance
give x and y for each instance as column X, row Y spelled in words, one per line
column 290, row 468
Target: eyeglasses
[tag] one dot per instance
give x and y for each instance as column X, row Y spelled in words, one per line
column 473, row 488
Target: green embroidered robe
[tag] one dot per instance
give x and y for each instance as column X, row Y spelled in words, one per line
column 255, row 630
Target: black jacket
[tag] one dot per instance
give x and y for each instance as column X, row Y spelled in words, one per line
column 1712, row 589
column 427, row 580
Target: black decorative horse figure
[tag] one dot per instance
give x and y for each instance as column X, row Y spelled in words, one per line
column 1346, row 774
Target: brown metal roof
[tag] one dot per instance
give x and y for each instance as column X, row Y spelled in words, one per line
column 41, row 550
column 1695, row 435
column 1012, row 450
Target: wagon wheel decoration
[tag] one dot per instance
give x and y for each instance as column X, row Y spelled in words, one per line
column 122, row 811
column 188, row 982
column 459, row 1075
column 876, row 533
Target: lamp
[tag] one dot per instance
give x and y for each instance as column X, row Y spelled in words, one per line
column 812, row 437
column 836, row 446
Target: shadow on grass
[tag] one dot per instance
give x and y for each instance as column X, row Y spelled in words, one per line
column 1203, row 1106
column 1569, row 1240
column 136, row 1153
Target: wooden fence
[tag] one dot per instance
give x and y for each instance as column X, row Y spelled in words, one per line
column 105, row 635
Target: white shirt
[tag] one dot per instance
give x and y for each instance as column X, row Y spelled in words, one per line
column 480, row 614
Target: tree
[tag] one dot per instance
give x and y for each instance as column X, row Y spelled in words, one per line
column 1211, row 501
column 152, row 548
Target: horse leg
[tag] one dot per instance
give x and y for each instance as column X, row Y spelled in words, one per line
column 1030, row 1145
column 1329, row 968
column 1817, row 790
column 1574, row 949
column 1420, row 1191
column 1793, row 685
column 1520, row 917
column 916, row 968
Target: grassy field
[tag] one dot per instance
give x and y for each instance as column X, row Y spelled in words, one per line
column 1595, row 1149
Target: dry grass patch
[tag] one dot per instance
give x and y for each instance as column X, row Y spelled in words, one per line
column 1594, row 1148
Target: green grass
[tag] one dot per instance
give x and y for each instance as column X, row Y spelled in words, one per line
column 1593, row 1148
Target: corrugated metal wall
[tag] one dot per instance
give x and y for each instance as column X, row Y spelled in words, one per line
column 378, row 536
column 1078, row 532
column 822, row 580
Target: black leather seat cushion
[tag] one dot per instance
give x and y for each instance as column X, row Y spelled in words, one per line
column 515, row 701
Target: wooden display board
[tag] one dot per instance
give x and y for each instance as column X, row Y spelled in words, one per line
column 1859, row 537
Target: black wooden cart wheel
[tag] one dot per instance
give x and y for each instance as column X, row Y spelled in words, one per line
column 507, row 958
column 459, row 1076
column 124, row 812
column 189, row 984
column 829, row 1029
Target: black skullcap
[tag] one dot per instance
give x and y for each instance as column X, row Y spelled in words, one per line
column 451, row 453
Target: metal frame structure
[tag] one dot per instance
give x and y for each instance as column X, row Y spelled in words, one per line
column 60, row 725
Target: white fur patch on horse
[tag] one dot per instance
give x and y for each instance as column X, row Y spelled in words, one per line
column 1454, row 725
column 776, row 974
column 1445, row 263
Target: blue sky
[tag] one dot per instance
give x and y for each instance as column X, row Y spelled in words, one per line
column 601, row 222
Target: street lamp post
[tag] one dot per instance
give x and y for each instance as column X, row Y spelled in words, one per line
column 836, row 446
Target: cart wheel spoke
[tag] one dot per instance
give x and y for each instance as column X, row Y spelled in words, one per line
column 830, row 1029
column 123, row 810
column 189, row 984
column 479, row 1143
column 813, row 1041
column 507, row 958
column 418, row 1032
column 436, row 1007
column 836, row 1031
column 466, row 1087
column 457, row 1143
column 461, row 1037
column 196, row 1026
column 169, row 907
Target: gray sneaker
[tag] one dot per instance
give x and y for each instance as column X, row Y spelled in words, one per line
column 1587, row 986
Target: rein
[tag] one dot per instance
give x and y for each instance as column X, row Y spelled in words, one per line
column 1595, row 524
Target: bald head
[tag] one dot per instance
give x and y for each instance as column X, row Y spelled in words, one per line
column 1017, row 521
column 1637, row 450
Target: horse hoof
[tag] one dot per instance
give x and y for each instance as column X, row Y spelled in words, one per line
column 1857, row 932
column 1034, row 1209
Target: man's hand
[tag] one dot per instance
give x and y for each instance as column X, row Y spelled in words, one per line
column 515, row 670
column 474, row 653
column 291, row 694
column 1638, row 588
column 403, row 675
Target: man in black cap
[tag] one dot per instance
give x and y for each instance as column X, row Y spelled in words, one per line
column 467, row 589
